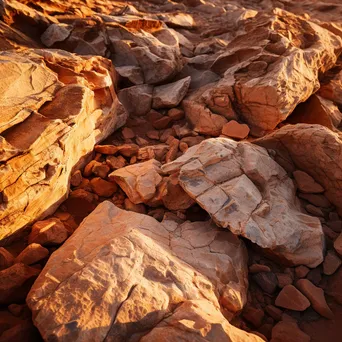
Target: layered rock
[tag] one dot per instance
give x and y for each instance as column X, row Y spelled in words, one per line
column 64, row 106
column 311, row 148
column 246, row 191
column 262, row 81
column 122, row 274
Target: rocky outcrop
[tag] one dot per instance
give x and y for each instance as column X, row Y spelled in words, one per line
column 246, row 191
column 133, row 273
column 66, row 104
column 311, row 148
column 262, row 81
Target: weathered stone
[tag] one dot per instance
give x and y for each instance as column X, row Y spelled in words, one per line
column 139, row 181
column 100, row 170
column 239, row 185
column 284, row 279
column 317, row 200
column 288, row 331
column 176, row 114
column 55, row 33
column 334, row 286
column 144, row 270
column 331, row 263
column 274, row 312
column 127, row 133
column 235, row 130
column 76, row 178
column 6, row 258
column 102, row 187
column 267, row 281
column 138, row 208
column 306, row 183
column 132, row 73
column 48, row 232
column 253, row 315
column 170, row 95
column 290, row 298
column 301, row 271
column 316, row 297
column 116, row 162
column 32, row 254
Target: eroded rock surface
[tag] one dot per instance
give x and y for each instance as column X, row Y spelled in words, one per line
column 246, row 191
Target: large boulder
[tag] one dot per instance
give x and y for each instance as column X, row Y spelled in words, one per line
column 265, row 73
column 122, row 273
column 246, row 191
column 311, row 148
column 56, row 107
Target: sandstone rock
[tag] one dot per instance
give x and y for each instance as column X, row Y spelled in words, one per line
column 24, row 332
column 235, row 130
column 284, row 279
column 301, row 271
column 51, row 124
column 317, row 200
column 32, row 254
column 139, row 181
column 331, row 263
column 162, row 123
column 288, row 331
column 48, row 232
column 306, row 183
column 132, row 73
column 128, row 150
column 173, row 150
column 316, row 297
column 6, row 258
column 197, row 320
column 100, row 170
column 313, row 149
column 290, row 298
column 238, row 185
column 274, row 312
column 15, row 281
column 170, row 95
column 55, row 33
column 138, row 208
column 116, row 162
column 128, row 256
column 127, row 133
column 102, row 187
column 104, row 149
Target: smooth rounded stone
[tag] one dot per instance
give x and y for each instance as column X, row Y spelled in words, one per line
column 331, row 263
column 32, row 254
column 116, row 162
column 235, row 130
column 105, row 149
column 315, row 199
column 102, row 187
column 316, row 297
column 268, row 281
column 338, row 244
column 311, row 209
column 315, row 275
column 284, row 279
column 301, row 271
column 257, row 268
column 290, row 298
column 286, row 331
column 336, row 226
column 253, row 315
column 6, row 258
column 274, row 312
column 153, row 134
column 14, row 282
column 48, row 232
column 306, row 183
column 176, row 114
column 76, row 178
column 170, row 95
column 128, row 150
column 137, row 208
column 127, row 133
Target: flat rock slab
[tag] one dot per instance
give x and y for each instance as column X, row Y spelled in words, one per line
column 122, row 273
column 246, row 191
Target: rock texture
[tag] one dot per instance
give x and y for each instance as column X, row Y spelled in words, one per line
column 246, row 191
column 132, row 273
column 66, row 105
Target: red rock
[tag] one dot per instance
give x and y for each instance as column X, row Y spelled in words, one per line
column 128, row 150
column 288, row 331
column 32, row 254
column 100, row 170
column 306, row 183
column 267, row 281
column 284, row 279
column 256, row 268
column 183, row 146
column 176, row 114
column 102, row 187
column 76, row 178
column 338, row 244
column 173, row 150
column 116, row 162
column 137, row 208
column 162, row 122
column 153, row 134
column 106, row 149
column 166, row 134
column 315, row 199
column 235, row 130
column 127, row 133
column 331, row 263
column 274, row 312
column 301, row 271
column 88, row 170
column 290, row 298
column 6, row 258
column 253, row 315
column 311, row 209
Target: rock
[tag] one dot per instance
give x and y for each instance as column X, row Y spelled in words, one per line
column 316, row 297
column 116, row 162
column 274, row 312
column 315, row 275
column 162, row 123
column 334, row 286
column 55, row 33
column 76, row 178
column 301, row 271
column 338, row 244
column 15, row 282
column 288, row 331
column 257, row 268
column 170, row 95
column 32, row 254
column 331, row 263
column 51, row 125
column 6, row 258
column 235, row 130
column 24, row 332
column 132, row 73
column 48, row 232
column 284, row 279
column 267, row 281
column 137, row 208
column 317, row 200
column 253, row 315
column 102, row 187
column 128, row 256
column 230, row 181
column 176, row 114
column 313, row 149
column 100, row 170
column 137, row 100
column 104, row 149
column 306, row 183
column 197, row 320
column 172, row 152
column 139, row 181
column 128, row 150
column 127, row 133
column 290, row 298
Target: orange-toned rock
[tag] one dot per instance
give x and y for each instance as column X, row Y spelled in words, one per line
column 288, row 331
column 290, row 298
column 6, row 258
column 32, row 254
column 102, row 187
column 306, row 183
column 235, row 130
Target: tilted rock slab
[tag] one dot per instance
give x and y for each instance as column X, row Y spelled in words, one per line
column 266, row 72
column 121, row 273
column 246, row 191
column 56, row 106
column 311, row 148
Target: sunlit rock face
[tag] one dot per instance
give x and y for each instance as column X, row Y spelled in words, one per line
column 56, row 106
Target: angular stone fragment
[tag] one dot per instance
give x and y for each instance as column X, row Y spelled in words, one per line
column 290, row 298
column 331, row 263
column 55, row 33
column 170, row 95
column 6, row 258
column 246, row 191
column 139, row 181
column 306, row 183
column 66, row 104
column 133, row 272
column 286, row 331
column 338, row 244
column 32, row 254
column 102, row 187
